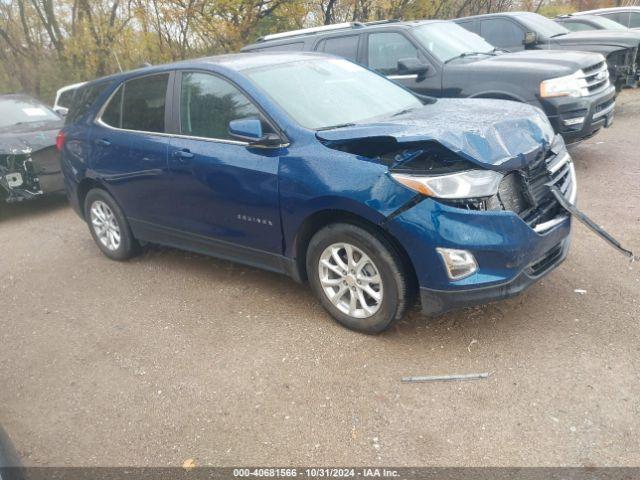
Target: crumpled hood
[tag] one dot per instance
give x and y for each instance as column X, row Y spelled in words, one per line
column 28, row 137
column 598, row 37
column 495, row 134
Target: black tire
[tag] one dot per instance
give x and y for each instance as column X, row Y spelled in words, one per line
column 128, row 245
column 395, row 283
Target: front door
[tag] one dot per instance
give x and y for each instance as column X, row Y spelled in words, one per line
column 224, row 190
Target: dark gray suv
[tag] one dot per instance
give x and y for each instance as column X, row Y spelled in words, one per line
column 442, row 59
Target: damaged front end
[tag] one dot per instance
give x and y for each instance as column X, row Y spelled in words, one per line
column 524, row 191
column 25, row 174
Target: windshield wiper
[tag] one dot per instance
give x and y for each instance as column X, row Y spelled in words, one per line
column 557, row 35
column 469, row 54
column 340, row 125
column 402, row 112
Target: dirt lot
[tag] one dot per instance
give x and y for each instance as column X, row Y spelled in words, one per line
column 175, row 355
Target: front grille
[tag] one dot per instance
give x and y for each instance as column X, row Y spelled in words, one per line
column 545, row 262
column 593, row 68
column 596, row 78
column 526, row 193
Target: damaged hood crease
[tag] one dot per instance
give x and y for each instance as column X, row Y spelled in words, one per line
column 506, row 136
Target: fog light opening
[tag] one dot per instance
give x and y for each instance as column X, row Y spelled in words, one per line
column 458, row 263
column 573, row 121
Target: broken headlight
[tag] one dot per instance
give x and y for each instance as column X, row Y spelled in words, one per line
column 467, row 184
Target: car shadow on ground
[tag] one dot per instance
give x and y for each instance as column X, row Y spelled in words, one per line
column 459, row 325
column 39, row 206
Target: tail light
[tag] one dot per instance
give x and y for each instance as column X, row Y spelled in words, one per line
column 60, row 140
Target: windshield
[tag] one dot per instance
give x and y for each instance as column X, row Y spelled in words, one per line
column 447, row 40
column 544, row 27
column 326, row 92
column 16, row 110
column 607, row 24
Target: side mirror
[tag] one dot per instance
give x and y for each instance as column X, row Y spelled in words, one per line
column 62, row 111
column 530, row 38
column 250, row 130
column 412, row 66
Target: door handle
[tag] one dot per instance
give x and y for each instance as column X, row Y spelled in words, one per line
column 103, row 142
column 183, row 154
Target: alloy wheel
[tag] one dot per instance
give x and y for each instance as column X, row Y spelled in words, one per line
column 105, row 225
column 350, row 280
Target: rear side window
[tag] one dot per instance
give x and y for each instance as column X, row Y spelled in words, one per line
column 65, row 98
column 83, row 99
column 468, row 25
column 502, row 33
column 577, row 26
column 385, row 49
column 208, row 103
column 139, row 104
column 634, row 20
column 615, row 16
column 345, row 47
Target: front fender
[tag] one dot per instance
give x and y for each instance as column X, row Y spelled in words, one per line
column 337, row 181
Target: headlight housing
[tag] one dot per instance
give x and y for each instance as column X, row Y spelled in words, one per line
column 574, row 85
column 467, row 184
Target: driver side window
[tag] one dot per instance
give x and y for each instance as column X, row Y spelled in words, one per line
column 502, row 33
column 385, row 49
column 208, row 103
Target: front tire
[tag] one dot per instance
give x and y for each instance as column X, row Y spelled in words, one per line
column 108, row 226
column 358, row 277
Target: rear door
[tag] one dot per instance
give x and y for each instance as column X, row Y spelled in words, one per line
column 223, row 189
column 345, row 46
column 385, row 49
column 130, row 148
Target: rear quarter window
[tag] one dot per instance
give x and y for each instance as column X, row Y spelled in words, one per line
column 83, row 99
column 65, row 98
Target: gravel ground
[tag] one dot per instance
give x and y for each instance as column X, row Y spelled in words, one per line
column 174, row 355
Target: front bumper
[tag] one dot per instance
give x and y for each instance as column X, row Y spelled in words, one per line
column 435, row 302
column 597, row 111
column 511, row 251
column 26, row 175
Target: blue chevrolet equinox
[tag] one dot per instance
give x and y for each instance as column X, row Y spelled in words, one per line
column 315, row 167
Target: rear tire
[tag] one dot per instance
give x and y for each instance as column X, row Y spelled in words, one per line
column 358, row 277
column 108, row 226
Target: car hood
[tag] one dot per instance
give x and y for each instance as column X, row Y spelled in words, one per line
column 548, row 62
column 598, row 37
column 495, row 134
column 29, row 137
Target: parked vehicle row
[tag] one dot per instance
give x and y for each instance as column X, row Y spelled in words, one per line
column 515, row 31
column 441, row 59
column 335, row 155
column 628, row 16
